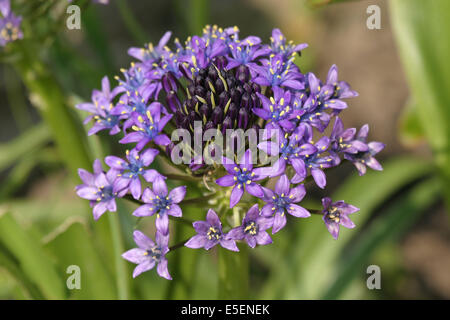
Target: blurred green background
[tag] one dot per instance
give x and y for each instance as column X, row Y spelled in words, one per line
column 402, row 74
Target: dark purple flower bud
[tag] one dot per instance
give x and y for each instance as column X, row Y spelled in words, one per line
column 209, row 125
column 256, row 103
column 235, row 95
column 243, row 118
column 223, row 98
column 242, row 73
column 245, row 100
column 205, row 110
column 232, row 111
column 247, row 87
column 172, row 101
column 200, row 91
column 169, row 83
column 191, row 89
column 227, row 124
column 212, row 73
column 191, row 103
column 221, row 62
column 256, row 87
column 218, row 85
column 231, row 81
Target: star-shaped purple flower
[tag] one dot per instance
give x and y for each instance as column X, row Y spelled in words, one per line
column 279, row 44
column 150, row 53
column 336, row 214
column 131, row 170
column 342, row 89
column 242, row 177
column 162, row 203
column 98, row 188
column 149, row 253
column 253, row 228
column 209, row 234
column 100, row 109
column 343, row 140
column 283, row 200
column 9, row 25
column 315, row 163
column 277, row 110
column 148, row 128
column 246, row 52
column 288, row 148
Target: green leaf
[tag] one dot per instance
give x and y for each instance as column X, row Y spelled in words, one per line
column 399, row 218
column 47, row 96
column 72, row 244
column 421, row 30
column 33, row 260
column 410, row 128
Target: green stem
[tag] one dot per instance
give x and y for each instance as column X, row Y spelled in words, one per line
column 234, row 273
column 118, row 248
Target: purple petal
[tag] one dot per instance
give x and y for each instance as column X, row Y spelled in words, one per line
column 135, row 187
column 326, row 202
column 373, row 164
column 236, row 195
column 162, row 223
column 267, row 210
column 251, row 241
column 333, row 228
column 319, row 177
column 346, row 222
column 255, row 190
column 142, row 240
column 99, row 209
column 279, row 222
column 263, row 238
column 299, row 167
column 144, row 211
column 86, row 177
column 151, row 175
column 89, row 193
column 162, row 140
column 298, row 211
column 236, row 234
column 229, row 244
column 213, row 219
column 201, row 227
column 246, row 161
column 282, row 186
column 226, row 181
column 160, row 187
column 148, row 156
column 252, row 214
column 143, row 267
column 148, row 195
column 135, row 255
column 162, row 269
column 376, row 147
column 175, row 210
column 297, row 194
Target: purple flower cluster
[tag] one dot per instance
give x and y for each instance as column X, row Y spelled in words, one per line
column 9, row 24
column 221, row 82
